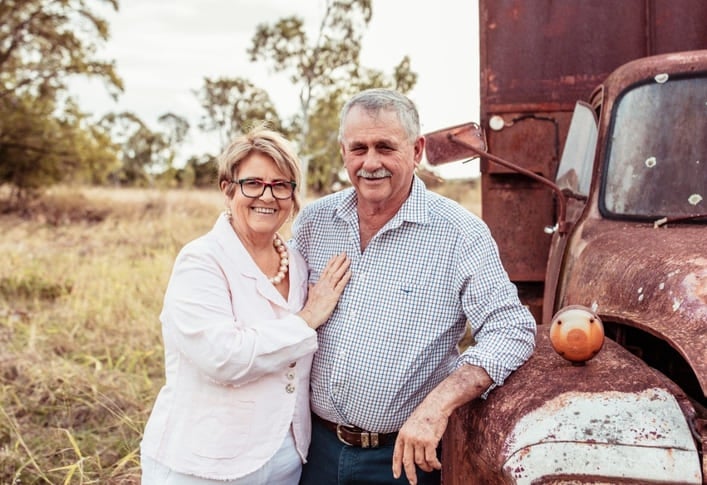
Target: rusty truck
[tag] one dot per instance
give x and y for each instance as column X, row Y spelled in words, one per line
column 593, row 151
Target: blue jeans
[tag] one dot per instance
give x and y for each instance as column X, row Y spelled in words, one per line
column 331, row 462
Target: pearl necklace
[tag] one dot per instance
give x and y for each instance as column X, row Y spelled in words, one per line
column 284, row 260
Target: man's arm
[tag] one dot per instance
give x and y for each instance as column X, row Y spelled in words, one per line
column 420, row 435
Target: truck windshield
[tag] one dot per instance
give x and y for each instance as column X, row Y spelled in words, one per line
column 657, row 165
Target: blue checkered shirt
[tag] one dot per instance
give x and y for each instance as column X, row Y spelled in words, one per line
column 393, row 336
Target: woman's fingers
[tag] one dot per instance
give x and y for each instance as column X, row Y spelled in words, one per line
column 336, row 268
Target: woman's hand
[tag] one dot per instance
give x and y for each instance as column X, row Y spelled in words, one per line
column 324, row 295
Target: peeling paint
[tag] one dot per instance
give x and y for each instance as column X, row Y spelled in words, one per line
column 694, row 199
column 676, row 304
column 695, row 285
column 612, row 434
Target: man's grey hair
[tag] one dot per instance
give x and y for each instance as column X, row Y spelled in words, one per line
column 378, row 99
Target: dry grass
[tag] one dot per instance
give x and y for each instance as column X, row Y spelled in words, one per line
column 82, row 278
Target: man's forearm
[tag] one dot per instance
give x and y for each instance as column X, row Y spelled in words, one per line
column 463, row 385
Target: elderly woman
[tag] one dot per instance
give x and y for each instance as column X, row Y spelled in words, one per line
column 239, row 334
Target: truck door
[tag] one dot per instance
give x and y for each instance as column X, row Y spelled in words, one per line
column 574, row 177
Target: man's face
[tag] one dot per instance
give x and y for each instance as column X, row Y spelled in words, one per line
column 379, row 157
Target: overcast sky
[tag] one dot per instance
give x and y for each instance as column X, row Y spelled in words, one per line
column 163, row 51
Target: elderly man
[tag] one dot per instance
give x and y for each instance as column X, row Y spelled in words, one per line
column 388, row 373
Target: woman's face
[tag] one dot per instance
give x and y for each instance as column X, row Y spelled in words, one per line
column 261, row 216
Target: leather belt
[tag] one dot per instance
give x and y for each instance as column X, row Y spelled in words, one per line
column 355, row 436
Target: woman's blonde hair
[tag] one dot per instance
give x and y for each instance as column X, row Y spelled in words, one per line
column 268, row 142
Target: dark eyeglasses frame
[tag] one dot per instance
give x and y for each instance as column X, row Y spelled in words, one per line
column 265, row 185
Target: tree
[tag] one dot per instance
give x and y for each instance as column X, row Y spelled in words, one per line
column 205, row 170
column 39, row 146
column 43, row 43
column 327, row 70
column 176, row 129
column 232, row 104
column 143, row 152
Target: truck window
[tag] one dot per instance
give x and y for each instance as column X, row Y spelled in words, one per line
column 657, row 157
column 575, row 170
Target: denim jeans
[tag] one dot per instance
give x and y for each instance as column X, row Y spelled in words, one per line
column 331, row 462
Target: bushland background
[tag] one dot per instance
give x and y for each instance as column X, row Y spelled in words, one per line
column 82, row 276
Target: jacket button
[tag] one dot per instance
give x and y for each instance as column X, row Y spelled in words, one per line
column 290, row 375
column 290, row 388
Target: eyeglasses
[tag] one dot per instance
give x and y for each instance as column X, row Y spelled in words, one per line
column 254, row 188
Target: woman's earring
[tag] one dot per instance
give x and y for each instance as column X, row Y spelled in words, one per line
column 229, row 214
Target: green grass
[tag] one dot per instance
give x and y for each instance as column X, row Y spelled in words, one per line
column 82, row 277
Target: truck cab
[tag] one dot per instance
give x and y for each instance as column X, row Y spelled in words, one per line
column 626, row 232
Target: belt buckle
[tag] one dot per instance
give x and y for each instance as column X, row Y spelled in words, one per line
column 341, row 438
column 368, row 439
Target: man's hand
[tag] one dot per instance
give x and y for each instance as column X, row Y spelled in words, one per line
column 417, row 442
column 420, row 435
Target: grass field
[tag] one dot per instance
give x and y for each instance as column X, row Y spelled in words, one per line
column 82, row 276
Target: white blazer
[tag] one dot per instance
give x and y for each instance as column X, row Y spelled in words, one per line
column 237, row 362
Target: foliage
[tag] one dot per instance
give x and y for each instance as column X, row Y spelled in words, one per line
column 176, row 128
column 231, row 104
column 143, row 152
column 44, row 42
column 205, row 170
column 39, row 147
column 199, row 172
column 43, row 136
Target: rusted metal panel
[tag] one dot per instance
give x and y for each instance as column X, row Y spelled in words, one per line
column 516, row 208
column 537, row 51
column 538, row 57
column 480, row 438
column 523, row 252
column 533, row 142
column 661, row 288
column 679, row 25
column 544, row 50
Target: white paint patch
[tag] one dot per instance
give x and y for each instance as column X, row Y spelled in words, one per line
column 641, row 436
column 676, row 304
